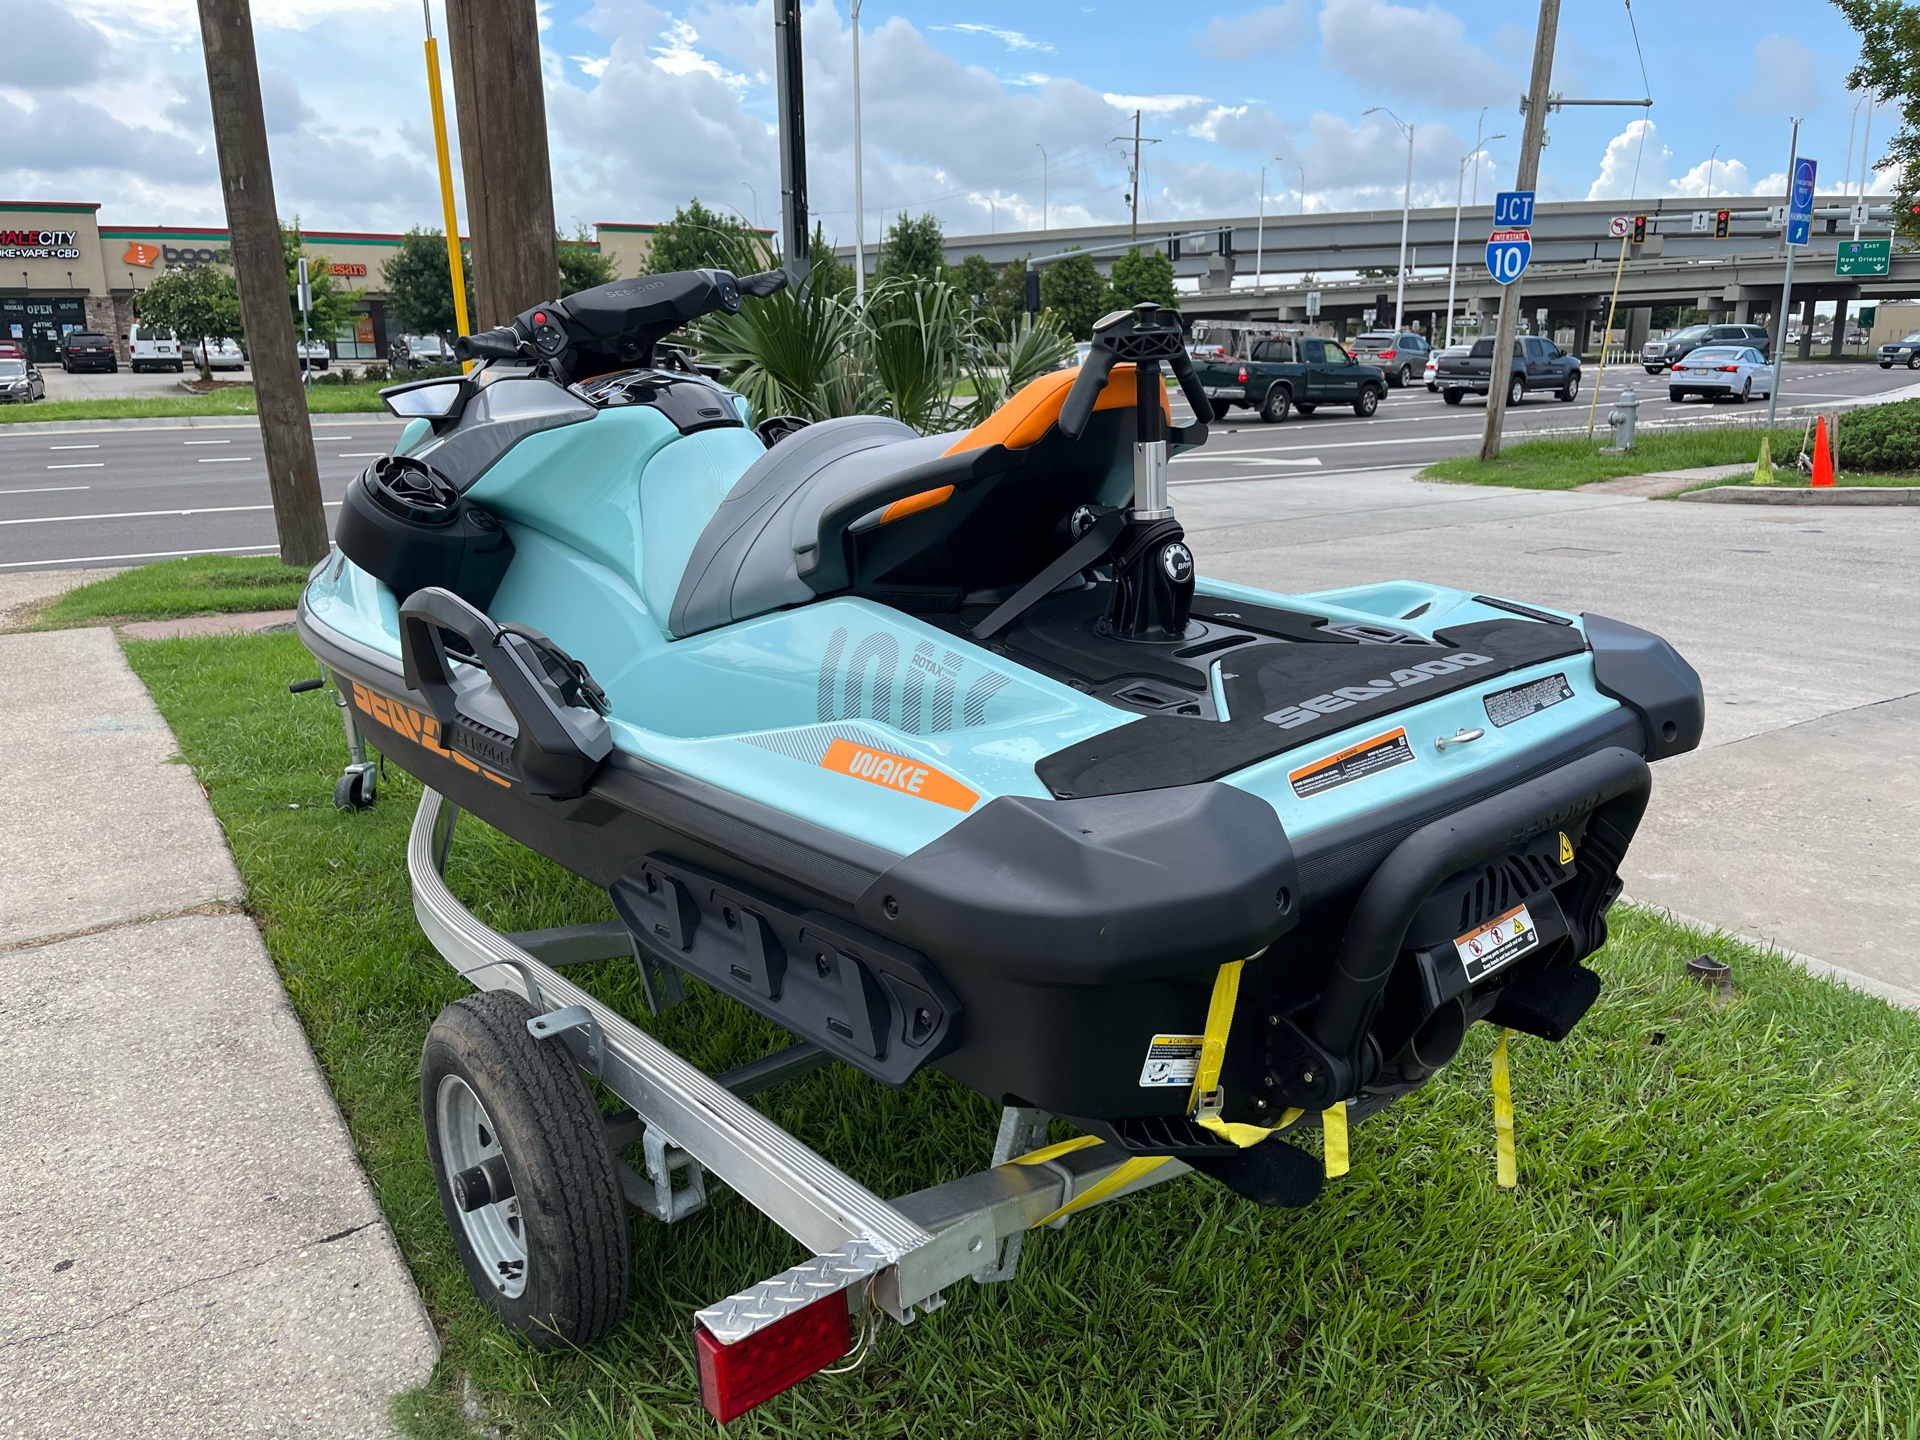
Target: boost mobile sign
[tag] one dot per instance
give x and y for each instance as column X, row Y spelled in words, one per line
column 39, row 245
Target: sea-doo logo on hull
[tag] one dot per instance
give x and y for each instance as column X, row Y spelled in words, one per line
column 424, row 731
column 1346, row 697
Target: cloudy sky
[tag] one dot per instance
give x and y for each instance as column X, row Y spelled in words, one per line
column 648, row 104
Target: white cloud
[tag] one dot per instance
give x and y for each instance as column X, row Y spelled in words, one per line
column 1785, row 74
column 1012, row 39
column 1276, row 29
column 1729, row 174
column 1154, row 104
column 594, row 65
column 1423, row 54
column 677, row 56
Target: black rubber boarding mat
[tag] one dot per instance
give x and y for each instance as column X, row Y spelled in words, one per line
column 1267, row 687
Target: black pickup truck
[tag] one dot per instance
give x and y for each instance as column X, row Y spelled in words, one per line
column 1537, row 365
column 1283, row 373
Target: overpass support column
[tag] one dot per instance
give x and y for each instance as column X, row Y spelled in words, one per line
column 1743, row 311
column 1806, row 328
column 1639, row 320
column 1583, row 336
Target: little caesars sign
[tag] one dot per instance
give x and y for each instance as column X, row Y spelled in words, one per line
column 38, row 245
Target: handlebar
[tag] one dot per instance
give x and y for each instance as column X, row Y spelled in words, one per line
column 763, row 284
column 502, row 343
column 1189, row 378
column 1077, row 408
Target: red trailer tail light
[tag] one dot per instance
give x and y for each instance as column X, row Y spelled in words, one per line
column 735, row 1378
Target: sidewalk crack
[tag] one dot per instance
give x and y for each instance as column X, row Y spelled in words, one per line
column 211, row 907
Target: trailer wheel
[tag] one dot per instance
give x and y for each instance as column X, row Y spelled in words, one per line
column 526, row 1181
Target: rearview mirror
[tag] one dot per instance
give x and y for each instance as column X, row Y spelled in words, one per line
column 435, row 399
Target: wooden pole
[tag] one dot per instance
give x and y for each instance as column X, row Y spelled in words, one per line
column 1500, row 366
column 260, row 269
column 500, row 108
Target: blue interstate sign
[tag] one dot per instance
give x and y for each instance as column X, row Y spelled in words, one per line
column 1507, row 254
column 1800, row 201
column 1513, row 210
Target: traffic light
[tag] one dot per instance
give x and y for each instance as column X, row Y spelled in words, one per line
column 1722, row 222
column 1033, row 292
column 1173, row 248
column 1639, row 229
column 1226, row 240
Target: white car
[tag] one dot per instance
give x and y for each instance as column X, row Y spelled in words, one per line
column 221, row 355
column 1433, row 363
column 1720, row 372
column 313, row 354
column 153, row 347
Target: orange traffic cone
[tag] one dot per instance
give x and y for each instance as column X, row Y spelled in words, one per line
column 1822, row 456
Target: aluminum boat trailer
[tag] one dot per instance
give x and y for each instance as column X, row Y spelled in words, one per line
column 897, row 1256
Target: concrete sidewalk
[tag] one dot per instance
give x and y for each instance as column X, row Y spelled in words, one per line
column 195, row 1248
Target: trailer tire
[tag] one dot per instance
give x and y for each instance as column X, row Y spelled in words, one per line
column 551, row 1260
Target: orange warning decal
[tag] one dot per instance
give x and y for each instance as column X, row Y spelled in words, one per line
column 896, row 772
column 1382, row 752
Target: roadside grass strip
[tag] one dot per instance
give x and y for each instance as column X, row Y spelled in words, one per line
column 1562, row 464
column 197, row 585
column 1716, row 1231
column 238, row 400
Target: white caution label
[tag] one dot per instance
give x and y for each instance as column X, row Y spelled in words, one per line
column 1499, row 942
column 1172, row 1060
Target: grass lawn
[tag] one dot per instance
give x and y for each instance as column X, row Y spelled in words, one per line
column 1565, row 463
column 197, row 585
column 323, row 400
column 1717, row 1231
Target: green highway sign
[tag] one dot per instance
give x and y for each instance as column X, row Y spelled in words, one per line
column 1863, row 257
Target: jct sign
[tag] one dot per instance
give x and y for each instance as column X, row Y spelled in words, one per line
column 39, row 245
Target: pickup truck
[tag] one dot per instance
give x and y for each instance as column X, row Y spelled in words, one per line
column 1284, row 373
column 1537, row 365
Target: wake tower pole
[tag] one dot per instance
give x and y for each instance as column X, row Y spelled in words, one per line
column 791, row 93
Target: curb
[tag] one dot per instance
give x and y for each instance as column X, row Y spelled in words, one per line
column 189, row 422
column 1837, row 495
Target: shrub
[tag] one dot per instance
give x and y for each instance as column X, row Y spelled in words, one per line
column 1881, row 437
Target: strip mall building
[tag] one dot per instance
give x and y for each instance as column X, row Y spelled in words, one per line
column 61, row 270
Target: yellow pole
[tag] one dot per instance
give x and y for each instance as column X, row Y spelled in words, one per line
column 454, row 267
column 1593, row 405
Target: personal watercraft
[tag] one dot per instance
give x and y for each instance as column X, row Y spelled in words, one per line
column 937, row 751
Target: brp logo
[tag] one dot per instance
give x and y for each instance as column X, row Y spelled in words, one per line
column 1176, row 563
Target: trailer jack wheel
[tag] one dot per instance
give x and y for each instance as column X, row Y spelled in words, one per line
column 356, row 788
column 526, row 1181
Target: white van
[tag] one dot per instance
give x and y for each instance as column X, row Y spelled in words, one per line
column 154, row 347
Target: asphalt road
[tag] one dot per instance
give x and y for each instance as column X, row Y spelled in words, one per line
column 122, row 496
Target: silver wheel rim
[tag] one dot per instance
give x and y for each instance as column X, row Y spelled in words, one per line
column 495, row 1231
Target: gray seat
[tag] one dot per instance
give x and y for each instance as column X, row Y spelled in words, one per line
column 762, row 549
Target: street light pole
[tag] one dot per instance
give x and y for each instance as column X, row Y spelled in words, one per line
column 1303, row 189
column 1260, row 236
column 1453, row 265
column 859, row 204
column 1710, row 159
column 1866, row 150
column 1406, row 214
column 1786, row 287
column 1043, row 185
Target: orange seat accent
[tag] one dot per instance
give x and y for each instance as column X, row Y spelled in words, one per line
column 1031, row 412
column 914, row 504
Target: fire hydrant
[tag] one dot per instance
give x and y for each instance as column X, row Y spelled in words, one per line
column 1623, row 417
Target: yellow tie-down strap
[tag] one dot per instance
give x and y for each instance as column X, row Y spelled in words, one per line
column 1206, row 1100
column 1505, row 1170
column 1123, row 1174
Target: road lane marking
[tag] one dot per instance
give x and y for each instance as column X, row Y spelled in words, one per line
column 45, row 489
column 206, row 442
column 364, row 455
column 225, row 459
column 80, row 465
column 73, row 447
column 148, row 555
column 333, row 437
column 149, row 514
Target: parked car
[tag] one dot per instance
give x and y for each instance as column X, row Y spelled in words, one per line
column 10, row 350
column 20, row 381
column 153, row 347
column 1904, row 352
column 1291, row 372
column 1658, row 355
column 1433, row 362
column 1721, row 372
column 313, row 354
column 417, row 352
column 1538, row 364
column 221, row 355
column 1399, row 354
column 88, row 350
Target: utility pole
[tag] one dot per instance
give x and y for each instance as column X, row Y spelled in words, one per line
column 1133, row 175
column 260, row 270
column 501, row 110
column 1045, row 165
column 1531, row 138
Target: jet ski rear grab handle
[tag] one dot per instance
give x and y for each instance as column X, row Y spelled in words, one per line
column 901, row 1254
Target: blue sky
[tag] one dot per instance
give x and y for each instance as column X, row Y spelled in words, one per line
column 649, row 103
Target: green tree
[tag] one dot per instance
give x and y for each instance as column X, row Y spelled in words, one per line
column 1076, row 292
column 1138, row 277
column 582, row 266
column 332, row 305
column 830, row 279
column 1890, row 67
column 913, row 249
column 695, row 239
column 198, row 303
column 418, row 286
column 974, row 277
column 1005, row 304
